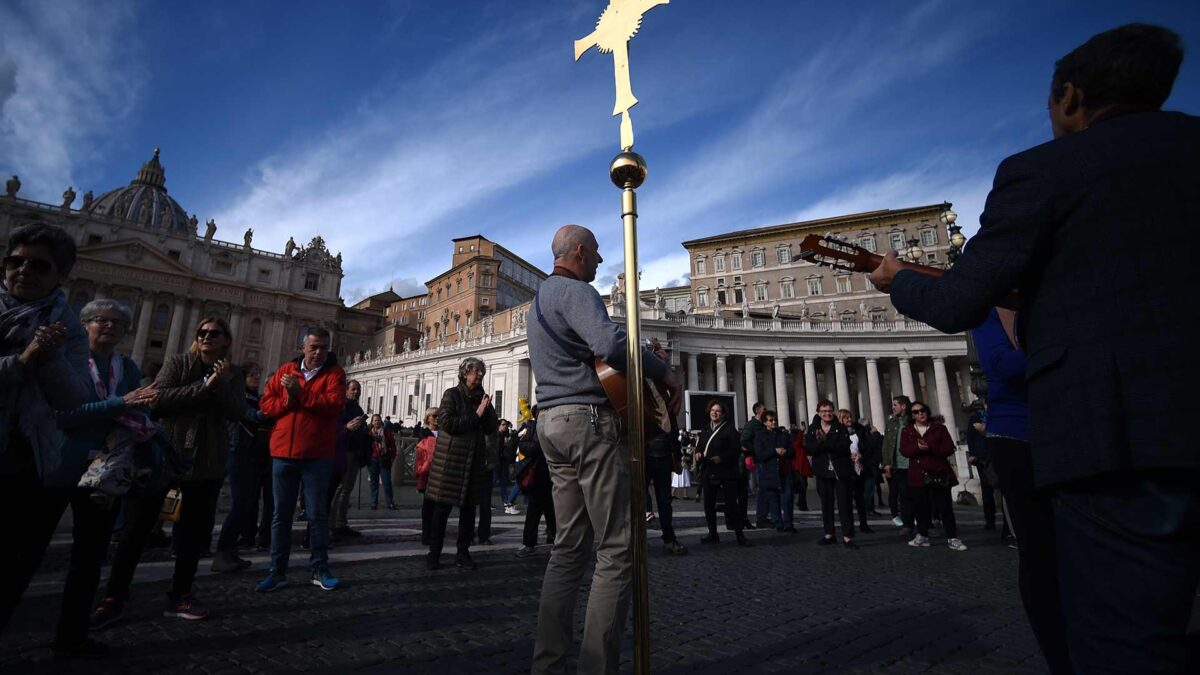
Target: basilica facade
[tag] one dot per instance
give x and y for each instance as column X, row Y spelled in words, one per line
column 136, row 244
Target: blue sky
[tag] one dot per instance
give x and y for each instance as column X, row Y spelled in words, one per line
column 391, row 127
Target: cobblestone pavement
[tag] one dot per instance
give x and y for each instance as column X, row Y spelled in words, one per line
column 785, row 605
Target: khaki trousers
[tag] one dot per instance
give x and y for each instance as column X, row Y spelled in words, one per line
column 588, row 460
column 341, row 497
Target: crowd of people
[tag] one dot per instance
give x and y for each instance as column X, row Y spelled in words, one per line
column 1101, row 496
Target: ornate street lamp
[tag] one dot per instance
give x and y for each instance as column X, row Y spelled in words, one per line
column 915, row 252
column 954, row 230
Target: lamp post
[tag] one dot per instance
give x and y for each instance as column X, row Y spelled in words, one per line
column 954, row 230
column 915, row 252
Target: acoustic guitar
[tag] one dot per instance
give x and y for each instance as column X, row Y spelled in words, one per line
column 656, row 398
column 842, row 255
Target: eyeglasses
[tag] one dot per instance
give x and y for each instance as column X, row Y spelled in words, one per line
column 209, row 334
column 920, row 411
column 106, row 321
column 769, row 419
column 37, row 265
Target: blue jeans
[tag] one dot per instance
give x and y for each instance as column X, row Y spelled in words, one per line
column 243, row 494
column 381, row 469
column 287, row 475
column 500, row 478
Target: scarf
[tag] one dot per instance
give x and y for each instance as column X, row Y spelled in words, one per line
column 113, row 469
column 18, row 322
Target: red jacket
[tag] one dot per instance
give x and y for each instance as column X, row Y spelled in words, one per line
column 933, row 458
column 306, row 429
column 800, row 463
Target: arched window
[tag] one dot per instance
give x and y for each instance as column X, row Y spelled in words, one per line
column 256, row 330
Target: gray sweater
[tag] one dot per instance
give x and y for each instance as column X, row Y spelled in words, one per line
column 574, row 311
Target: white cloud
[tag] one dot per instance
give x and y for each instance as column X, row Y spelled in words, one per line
column 68, row 74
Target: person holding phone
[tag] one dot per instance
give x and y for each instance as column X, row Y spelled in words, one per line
column 459, row 474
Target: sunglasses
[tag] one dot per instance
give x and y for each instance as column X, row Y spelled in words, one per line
column 38, row 265
column 209, row 334
column 920, row 411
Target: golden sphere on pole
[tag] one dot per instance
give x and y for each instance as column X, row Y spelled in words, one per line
column 628, row 170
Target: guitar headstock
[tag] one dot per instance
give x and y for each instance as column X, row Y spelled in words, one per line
column 835, row 253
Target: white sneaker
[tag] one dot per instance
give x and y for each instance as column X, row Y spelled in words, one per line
column 922, row 541
column 955, row 544
column 898, row 521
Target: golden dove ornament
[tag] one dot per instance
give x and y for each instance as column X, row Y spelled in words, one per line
column 617, row 25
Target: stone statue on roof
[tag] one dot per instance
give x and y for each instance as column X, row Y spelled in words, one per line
column 248, row 237
column 88, row 198
column 289, row 248
column 12, row 186
column 210, row 229
column 775, row 310
column 68, row 198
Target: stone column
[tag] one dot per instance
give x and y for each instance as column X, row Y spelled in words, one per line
column 176, row 326
column 693, row 371
column 709, row 378
column 768, row 389
column 810, row 387
column 906, row 379
column 722, row 373
column 801, row 397
column 829, row 386
column 931, row 393
column 964, row 380
column 235, row 324
column 843, row 384
column 781, row 397
column 739, row 382
column 142, row 337
column 861, row 397
column 193, row 322
column 751, row 386
column 273, row 353
column 942, row 383
column 873, row 392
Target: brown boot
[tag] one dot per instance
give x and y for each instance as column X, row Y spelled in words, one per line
column 228, row 561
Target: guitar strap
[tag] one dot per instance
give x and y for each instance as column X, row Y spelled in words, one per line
column 537, row 309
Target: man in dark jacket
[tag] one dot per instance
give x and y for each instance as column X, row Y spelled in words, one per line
column 355, row 439
column 977, row 456
column 1107, row 359
column 753, row 426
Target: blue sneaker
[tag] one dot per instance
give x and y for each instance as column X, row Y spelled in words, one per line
column 325, row 580
column 273, row 582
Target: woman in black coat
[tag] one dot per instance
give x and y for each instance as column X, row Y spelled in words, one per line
column 718, row 453
column 828, row 446
column 459, row 474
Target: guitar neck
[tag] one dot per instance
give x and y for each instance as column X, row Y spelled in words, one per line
column 1009, row 301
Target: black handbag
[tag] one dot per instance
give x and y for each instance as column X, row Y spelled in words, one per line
column 937, row 480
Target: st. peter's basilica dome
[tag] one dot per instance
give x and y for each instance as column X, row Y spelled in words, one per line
column 145, row 201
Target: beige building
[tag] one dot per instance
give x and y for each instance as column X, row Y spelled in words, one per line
column 484, row 278
column 138, row 245
column 751, row 273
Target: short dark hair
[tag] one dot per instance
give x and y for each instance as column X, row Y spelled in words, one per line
column 770, row 413
column 903, row 400
column 717, row 402
column 1134, row 64
column 825, row 402
column 758, row 405
column 316, row 331
column 62, row 247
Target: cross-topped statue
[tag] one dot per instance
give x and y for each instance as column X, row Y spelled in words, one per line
column 617, row 25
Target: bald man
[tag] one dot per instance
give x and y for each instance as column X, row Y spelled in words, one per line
column 582, row 438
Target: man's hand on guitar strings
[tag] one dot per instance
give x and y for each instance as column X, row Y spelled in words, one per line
column 882, row 277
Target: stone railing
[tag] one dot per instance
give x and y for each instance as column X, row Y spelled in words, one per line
column 475, row 339
column 795, row 325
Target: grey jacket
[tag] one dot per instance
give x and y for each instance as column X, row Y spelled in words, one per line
column 564, row 367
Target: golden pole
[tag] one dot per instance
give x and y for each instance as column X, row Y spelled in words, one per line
column 627, row 171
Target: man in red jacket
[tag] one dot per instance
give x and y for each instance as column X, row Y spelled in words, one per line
column 306, row 397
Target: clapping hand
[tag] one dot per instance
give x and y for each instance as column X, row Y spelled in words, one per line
column 46, row 340
column 222, row 371
column 355, row 424
column 291, row 383
column 146, row 395
column 483, row 405
column 781, row 451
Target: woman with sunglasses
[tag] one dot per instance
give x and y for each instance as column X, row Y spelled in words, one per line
column 43, row 369
column 828, row 445
column 927, row 445
column 200, row 394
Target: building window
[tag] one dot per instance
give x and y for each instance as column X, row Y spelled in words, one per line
column 719, row 263
column 312, row 281
column 223, row 266
column 702, row 297
column 458, row 286
column 736, row 259
column 472, row 247
column 929, row 237
column 787, row 289
column 174, row 255
column 460, row 249
column 161, row 317
column 486, row 280
column 264, row 276
column 760, row 292
column 814, row 286
column 484, row 302
column 896, row 239
column 439, row 295
column 867, row 242
column 737, row 296
column 701, row 266
column 931, row 258
column 256, row 327
column 720, row 282
column 758, row 258
column 94, row 239
column 843, row 283
column 784, row 254
column 721, row 296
